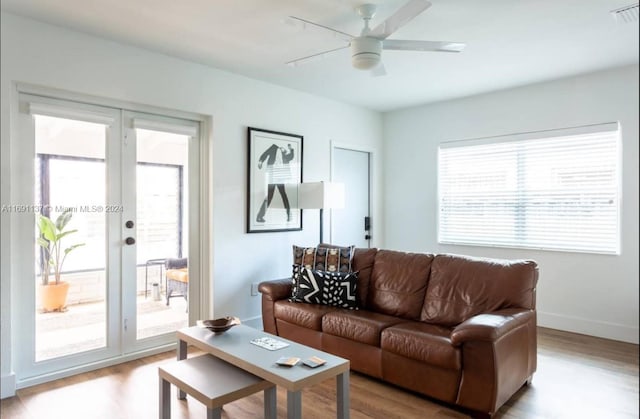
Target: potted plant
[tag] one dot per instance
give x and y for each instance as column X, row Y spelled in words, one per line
column 54, row 293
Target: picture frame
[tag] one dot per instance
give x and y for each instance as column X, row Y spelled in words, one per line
column 274, row 171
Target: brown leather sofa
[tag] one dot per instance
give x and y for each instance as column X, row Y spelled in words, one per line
column 455, row 328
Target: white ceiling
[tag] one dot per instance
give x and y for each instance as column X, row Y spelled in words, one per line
column 509, row 42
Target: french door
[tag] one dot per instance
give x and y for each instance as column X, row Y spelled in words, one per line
column 119, row 189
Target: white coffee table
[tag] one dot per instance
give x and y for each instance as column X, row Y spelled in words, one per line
column 234, row 346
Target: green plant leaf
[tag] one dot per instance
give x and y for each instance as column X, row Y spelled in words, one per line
column 63, row 219
column 70, row 248
column 42, row 242
column 64, row 234
column 47, row 228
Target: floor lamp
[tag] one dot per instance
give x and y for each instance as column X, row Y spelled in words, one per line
column 321, row 195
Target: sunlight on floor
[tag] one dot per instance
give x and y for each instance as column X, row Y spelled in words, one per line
column 82, row 327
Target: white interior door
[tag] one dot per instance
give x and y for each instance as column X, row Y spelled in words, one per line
column 351, row 225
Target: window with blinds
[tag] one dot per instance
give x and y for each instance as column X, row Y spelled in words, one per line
column 554, row 190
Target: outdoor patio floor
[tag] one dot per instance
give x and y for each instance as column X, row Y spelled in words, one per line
column 82, row 327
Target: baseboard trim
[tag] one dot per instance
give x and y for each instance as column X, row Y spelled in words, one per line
column 44, row 378
column 255, row 322
column 590, row 327
column 7, row 386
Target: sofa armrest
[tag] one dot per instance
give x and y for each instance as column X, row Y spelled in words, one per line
column 277, row 289
column 272, row 291
column 490, row 327
column 499, row 352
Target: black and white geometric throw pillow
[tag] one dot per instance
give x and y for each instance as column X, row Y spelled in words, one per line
column 295, row 279
column 336, row 289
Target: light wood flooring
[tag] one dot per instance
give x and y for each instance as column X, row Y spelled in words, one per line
column 578, row 377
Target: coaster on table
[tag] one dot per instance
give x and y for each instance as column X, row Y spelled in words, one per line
column 314, row 362
column 287, row 361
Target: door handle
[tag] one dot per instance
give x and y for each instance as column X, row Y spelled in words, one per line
column 129, row 224
column 130, row 241
column 367, row 223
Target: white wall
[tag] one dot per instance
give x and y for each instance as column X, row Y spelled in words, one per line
column 41, row 54
column 585, row 293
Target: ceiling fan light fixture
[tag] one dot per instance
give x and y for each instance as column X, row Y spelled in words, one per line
column 365, row 61
column 366, row 49
column 365, row 52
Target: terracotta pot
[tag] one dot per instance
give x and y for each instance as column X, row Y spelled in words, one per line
column 53, row 297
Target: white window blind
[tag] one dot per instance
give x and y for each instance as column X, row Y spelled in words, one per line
column 555, row 190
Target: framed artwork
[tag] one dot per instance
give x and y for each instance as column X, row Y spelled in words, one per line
column 274, row 173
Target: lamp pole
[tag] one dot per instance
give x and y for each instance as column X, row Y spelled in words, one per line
column 321, row 223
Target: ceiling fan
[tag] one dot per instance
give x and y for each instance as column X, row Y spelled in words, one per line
column 366, row 49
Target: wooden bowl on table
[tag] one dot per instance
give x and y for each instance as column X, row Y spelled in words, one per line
column 219, row 325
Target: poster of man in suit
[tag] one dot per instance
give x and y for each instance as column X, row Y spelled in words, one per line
column 275, row 170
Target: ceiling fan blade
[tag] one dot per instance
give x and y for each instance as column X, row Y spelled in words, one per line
column 314, row 57
column 379, row 70
column 403, row 15
column 334, row 32
column 440, row 46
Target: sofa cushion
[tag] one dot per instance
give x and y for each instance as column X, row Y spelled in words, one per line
column 461, row 287
column 324, row 257
column 181, row 275
column 330, row 288
column 363, row 263
column 360, row 326
column 398, row 283
column 304, row 315
column 424, row 342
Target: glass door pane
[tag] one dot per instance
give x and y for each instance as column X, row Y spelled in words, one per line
column 70, row 251
column 162, row 251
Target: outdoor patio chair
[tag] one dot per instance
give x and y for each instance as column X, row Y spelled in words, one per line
column 177, row 274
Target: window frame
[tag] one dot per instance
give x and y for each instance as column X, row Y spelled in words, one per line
column 610, row 128
column 43, row 161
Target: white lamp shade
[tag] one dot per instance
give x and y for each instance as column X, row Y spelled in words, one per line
column 326, row 195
